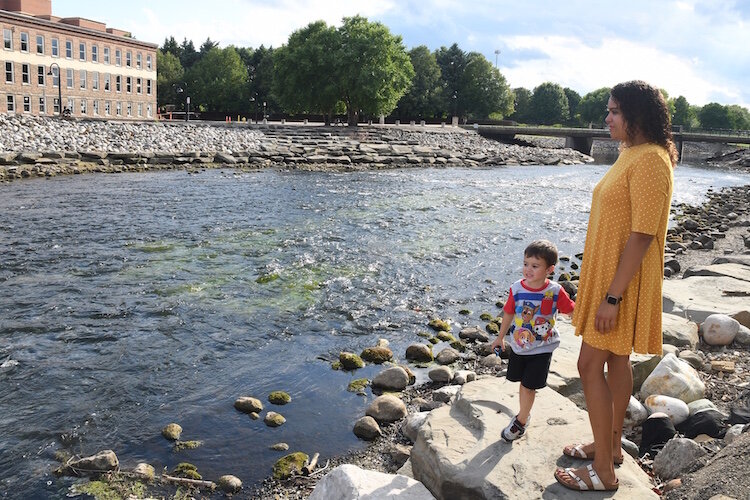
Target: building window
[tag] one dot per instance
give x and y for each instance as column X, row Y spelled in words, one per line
column 40, row 75
column 118, row 57
column 42, row 106
column 118, row 83
column 40, row 44
column 24, row 42
column 7, row 40
column 70, row 104
column 138, row 60
column 140, row 109
column 82, row 51
column 128, row 84
column 148, row 86
column 130, row 109
column 27, row 104
column 25, row 74
column 55, row 105
column 55, row 76
column 128, row 59
column 84, row 106
column 118, row 108
column 96, row 107
column 95, row 53
column 55, row 47
column 94, row 80
column 106, row 55
column 11, row 103
column 106, row 82
column 138, row 85
column 69, row 49
column 148, row 110
column 148, row 62
column 82, row 78
column 69, row 79
column 8, row 72
column 107, row 108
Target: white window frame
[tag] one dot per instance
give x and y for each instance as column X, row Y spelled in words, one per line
column 82, row 79
column 148, row 86
column 81, row 51
column 71, row 104
column 107, row 82
column 140, row 110
column 107, row 108
column 68, row 49
column 105, row 55
column 69, row 82
column 94, row 80
column 26, row 103
column 55, row 76
column 138, row 60
column 7, row 39
column 25, row 74
column 118, row 83
column 118, row 57
column 24, row 39
column 11, row 103
column 40, row 44
column 148, row 61
column 95, row 107
column 55, row 50
column 138, row 85
column 128, row 84
column 129, row 109
column 41, row 75
column 11, row 73
column 55, row 105
column 84, row 107
column 42, row 105
column 149, row 112
column 94, row 53
column 118, row 108
column 128, row 59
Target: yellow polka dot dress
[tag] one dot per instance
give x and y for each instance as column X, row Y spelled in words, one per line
column 633, row 196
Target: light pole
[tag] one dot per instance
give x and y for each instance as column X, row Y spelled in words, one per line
column 182, row 88
column 497, row 53
column 59, row 87
column 264, row 112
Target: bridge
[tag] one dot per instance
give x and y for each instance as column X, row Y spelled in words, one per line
column 582, row 139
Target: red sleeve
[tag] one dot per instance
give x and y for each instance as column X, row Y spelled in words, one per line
column 510, row 304
column 564, row 303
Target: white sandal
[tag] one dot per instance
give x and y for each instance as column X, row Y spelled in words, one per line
column 596, row 482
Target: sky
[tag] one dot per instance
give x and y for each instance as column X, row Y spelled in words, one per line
column 696, row 48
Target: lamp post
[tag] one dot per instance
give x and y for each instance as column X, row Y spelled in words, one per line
column 264, row 112
column 59, row 87
column 497, row 53
column 182, row 88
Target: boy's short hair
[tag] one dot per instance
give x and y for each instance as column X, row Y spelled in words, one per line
column 542, row 249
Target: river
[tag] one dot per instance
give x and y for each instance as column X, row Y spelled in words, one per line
column 134, row 300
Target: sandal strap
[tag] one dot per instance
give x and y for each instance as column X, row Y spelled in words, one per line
column 578, row 450
column 596, row 482
column 581, row 483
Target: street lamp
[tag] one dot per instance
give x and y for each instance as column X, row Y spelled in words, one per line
column 264, row 112
column 182, row 88
column 497, row 53
column 59, row 86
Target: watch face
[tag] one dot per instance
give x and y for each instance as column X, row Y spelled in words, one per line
column 612, row 300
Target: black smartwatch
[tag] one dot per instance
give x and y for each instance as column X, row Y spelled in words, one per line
column 611, row 299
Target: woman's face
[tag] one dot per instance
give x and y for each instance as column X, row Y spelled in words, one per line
column 615, row 121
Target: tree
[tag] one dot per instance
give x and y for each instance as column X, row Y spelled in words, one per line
column 218, row 80
column 171, row 46
column 304, row 71
column 188, row 56
column 208, row 45
column 452, row 62
column 483, row 89
column 573, row 99
column 522, row 106
column 423, row 99
column 739, row 117
column 593, row 107
column 683, row 114
column 170, row 73
column 549, row 104
column 372, row 68
column 714, row 115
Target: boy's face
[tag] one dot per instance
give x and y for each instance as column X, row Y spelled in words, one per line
column 535, row 271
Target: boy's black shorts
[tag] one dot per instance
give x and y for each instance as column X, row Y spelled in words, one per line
column 529, row 369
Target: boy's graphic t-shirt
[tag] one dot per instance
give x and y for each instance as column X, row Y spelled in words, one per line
column 533, row 330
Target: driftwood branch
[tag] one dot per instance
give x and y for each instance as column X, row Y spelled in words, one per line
column 189, row 482
column 310, row 466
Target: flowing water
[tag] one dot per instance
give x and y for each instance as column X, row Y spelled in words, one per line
column 131, row 301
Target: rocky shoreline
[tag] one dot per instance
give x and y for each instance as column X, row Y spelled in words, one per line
column 46, row 147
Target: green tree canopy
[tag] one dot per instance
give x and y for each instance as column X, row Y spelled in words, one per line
column 171, row 46
column 593, row 107
column 170, row 73
column 483, row 89
column 188, row 56
column 522, row 105
column 452, row 62
column 549, row 104
column 217, row 81
column 683, row 113
column 424, row 97
column 739, row 117
column 573, row 99
column 714, row 115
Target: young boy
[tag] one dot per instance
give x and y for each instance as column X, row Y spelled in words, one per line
column 529, row 319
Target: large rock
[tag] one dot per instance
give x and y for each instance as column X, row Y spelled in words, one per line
column 719, row 329
column 347, row 482
column 678, row 456
column 459, row 453
column 636, row 413
column 394, row 378
column 698, row 297
column 386, row 409
column 730, row 270
column 642, row 365
column 103, row 461
column 679, row 331
column 367, row 428
column 441, row 374
column 419, row 353
column 563, row 374
column 411, row 425
column 676, row 409
column 448, row 356
column 676, row 378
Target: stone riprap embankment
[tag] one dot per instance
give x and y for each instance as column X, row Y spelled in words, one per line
column 45, row 147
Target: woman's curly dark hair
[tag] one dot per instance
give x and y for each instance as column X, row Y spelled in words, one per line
column 645, row 110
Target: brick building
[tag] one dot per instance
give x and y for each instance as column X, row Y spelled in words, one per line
column 103, row 71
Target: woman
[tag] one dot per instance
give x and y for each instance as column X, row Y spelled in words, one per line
column 619, row 303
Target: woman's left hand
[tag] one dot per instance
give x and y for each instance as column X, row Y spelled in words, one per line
column 606, row 317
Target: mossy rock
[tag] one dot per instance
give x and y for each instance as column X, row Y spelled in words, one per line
column 336, row 365
column 377, row 355
column 350, row 361
column 485, row 317
column 433, row 340
column 445, row 337
column 458, row 345
column 358, row 385
column 248, row 404
column 289, row 465
column 267, row 278
column 439, row 325
column 186, row 470
column 464, row 312
column 425, row 335
column 114, row 488
column 564, row 277
column 273, row 419
column 492, row 328
column 186, row 445
column 172, row 431
column 279, row 398
column 500, row 304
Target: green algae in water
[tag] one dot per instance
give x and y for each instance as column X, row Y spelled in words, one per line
column 116, row 488
column 267, row 278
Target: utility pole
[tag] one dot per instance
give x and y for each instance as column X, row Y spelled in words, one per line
column 497, row 53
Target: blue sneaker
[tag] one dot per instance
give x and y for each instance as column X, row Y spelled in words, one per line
column 515, row 429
